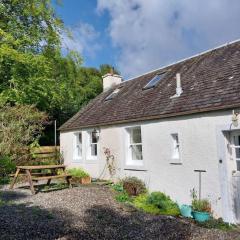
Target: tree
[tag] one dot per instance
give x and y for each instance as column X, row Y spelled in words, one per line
column 29, row 47
column 32, row 67
column 20, row 126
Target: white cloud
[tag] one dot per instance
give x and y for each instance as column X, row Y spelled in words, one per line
column 83, row 38
column 151, row 33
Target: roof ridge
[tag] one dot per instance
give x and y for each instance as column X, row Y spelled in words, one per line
column 185, row 59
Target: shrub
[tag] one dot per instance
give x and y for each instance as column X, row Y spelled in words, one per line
column 217, row 223
column 157, row 203
column 122, row 197
column 202, row 205
column 77, row 172
column 6, row 167
column 140, row 202
column 133, row 186
column 118, row 187
column 21, row 126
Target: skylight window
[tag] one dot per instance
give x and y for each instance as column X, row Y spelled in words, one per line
column 113, row 94
column 154, row 81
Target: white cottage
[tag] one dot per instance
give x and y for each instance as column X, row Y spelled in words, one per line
column 164, row 125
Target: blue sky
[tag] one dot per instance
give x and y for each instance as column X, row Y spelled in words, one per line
column 137, row 36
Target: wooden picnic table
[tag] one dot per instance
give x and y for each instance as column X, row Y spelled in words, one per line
column 41, row 176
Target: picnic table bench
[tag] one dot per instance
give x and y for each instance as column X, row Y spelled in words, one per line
column 31, row 176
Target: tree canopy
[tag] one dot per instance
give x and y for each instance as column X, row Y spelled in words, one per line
column 33, row 69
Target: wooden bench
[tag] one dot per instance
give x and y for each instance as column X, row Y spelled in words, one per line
column 41, row 176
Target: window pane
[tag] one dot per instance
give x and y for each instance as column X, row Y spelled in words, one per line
column 79, row 150
column 94, row 149
column 136, row 152
column 94, row 137
column 154, row 81
column 136, row 135
column 236, row 140
column 238, row 165
column 80, row 137
column 237, row 152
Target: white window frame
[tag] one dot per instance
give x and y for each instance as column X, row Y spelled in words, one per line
column 90, row 143
column 176, row 149
column 129, row 160
column 76, row 143
column 233, row 149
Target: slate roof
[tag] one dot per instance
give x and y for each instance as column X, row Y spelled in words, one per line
column 210, row 81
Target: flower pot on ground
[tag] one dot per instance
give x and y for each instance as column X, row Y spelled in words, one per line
column 201, row 216
column 85, row 180
column 79, row 176
column 186, row 211
column 201, row 210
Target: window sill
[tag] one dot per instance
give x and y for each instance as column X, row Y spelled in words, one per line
column 133, row 167
column 175, row 161
column 77, row 160
column 91, row 160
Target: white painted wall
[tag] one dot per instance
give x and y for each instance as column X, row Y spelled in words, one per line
column 198, row 139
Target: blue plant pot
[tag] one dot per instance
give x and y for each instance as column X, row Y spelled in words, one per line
column 186, row 211
column 201, row 216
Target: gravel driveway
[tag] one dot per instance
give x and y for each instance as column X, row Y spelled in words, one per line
column 88, row 213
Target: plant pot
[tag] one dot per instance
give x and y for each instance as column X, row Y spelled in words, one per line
column 201, row 216
column 85, row 180
column 186, row 211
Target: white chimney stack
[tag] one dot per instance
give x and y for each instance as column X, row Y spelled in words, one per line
column 110, row 80
column 178, row 88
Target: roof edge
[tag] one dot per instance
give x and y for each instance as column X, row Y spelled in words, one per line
column 156, row 117
column 184, row 59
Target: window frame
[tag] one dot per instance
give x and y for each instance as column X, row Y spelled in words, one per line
column 234, row 150
column 90, row 144
column 76, row 157
column 150, row 85
column 176, row 149
column 129, row 160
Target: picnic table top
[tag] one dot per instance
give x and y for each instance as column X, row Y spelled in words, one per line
column 41, row 167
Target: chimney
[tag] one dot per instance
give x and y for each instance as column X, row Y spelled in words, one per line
column 110, row 80
column 178, row 88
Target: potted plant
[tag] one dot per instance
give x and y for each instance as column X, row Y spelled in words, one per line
column 201, row 208
column 186, row 210
column 79, row 175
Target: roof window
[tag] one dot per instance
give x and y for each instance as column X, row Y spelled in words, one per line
column 113, row 94
column 154, row 81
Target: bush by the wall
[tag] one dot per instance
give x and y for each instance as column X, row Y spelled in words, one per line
column 133, row 186
column 157, row 203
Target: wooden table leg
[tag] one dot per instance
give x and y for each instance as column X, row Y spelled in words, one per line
column 30, row 181
column 14, row 179
column 48, row 182
column 69, row 182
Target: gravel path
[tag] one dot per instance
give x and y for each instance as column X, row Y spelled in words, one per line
column 89, row 213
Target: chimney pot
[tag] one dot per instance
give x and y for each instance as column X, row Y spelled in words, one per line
column 110, row 80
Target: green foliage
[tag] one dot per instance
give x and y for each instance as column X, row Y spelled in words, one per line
column 118, row 187
column 133, row 186
column 20, row 126
column 202, row 205
column 156, row 203
column 122, row 197
column 217, row 223
column 6, row 167
column 77, row 172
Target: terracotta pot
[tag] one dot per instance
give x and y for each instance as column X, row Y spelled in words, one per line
column 85, row 180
